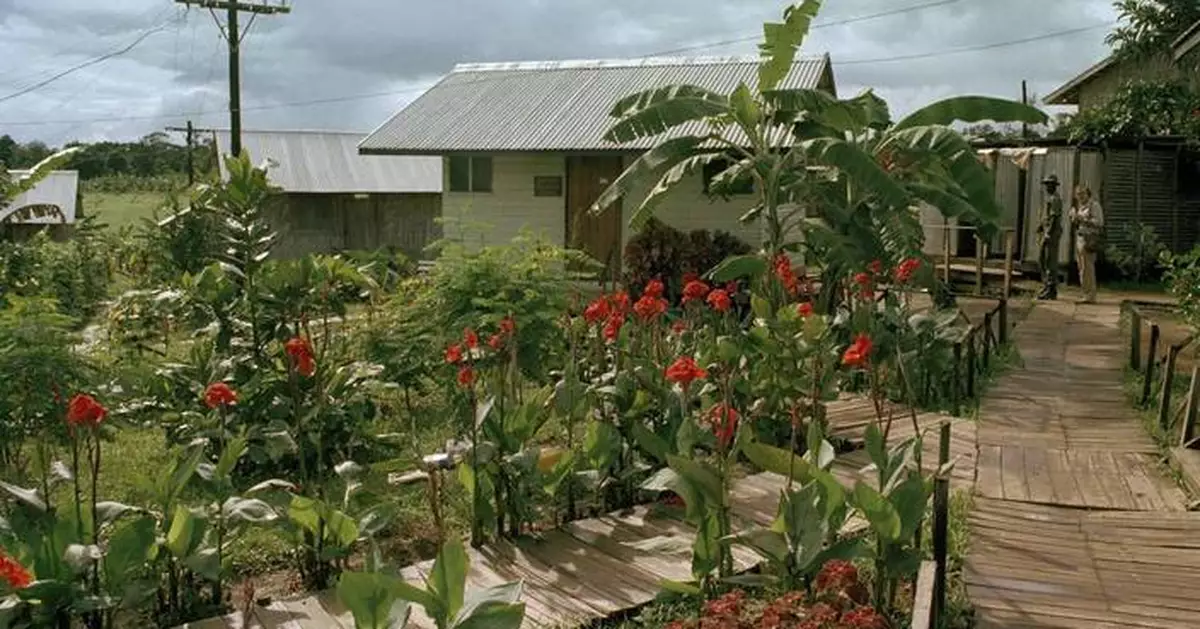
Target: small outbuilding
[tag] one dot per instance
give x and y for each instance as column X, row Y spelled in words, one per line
column 57, row 200
column 333, row 199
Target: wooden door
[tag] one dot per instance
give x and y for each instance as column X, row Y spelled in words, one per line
column 598, row 236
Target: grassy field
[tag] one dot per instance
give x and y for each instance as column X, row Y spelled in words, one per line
column 120, row 209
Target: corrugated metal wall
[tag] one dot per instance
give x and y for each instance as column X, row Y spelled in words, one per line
column 1055, row 161
column 326, row 223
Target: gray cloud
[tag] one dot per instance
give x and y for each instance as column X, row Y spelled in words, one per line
column 330, row 50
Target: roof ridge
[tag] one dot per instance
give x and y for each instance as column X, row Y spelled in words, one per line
column 602, row 64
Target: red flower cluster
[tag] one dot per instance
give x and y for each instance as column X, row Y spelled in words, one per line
column 654, row 288
column 785, row 273
column 13, row 573
column 836, row 575
column 866, row 284
column 905, row 271
column 466, row 376
column 508, row 329
column 679, row 327
column 723, row 420
column 728, row 606
column 684, row 371
column 875, row 267
column 470, row 338
column 597, row 311
column 300, row 351
column 805, row 310
column 718, row 300
column 695, row 290
column 219, row 394
column 454, row 354
column 863, row 618
column 859, row 352
column 84, row 410
column 650, row 307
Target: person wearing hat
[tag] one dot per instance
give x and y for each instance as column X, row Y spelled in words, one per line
column 1049, row 235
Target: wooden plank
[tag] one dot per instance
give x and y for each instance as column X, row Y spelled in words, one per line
column 1187, row 461
column 922, row 614
column 1062, row 480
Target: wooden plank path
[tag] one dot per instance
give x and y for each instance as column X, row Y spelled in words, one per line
column 1074, row 523
column 588, row 570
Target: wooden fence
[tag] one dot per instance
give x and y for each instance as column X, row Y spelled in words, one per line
column 1152, row 365
column 980, row 270
column 974, row 351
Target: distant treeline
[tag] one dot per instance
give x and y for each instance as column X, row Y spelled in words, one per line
column 154, row 156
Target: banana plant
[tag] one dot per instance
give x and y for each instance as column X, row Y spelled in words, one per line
column 894, row 506
column 804, row 534
column 827, row 172
column 380, row 600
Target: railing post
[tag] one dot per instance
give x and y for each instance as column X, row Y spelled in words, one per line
column 1188, row 432
column 941, row 522
column 1009, row 237
column 979, row 255
column 987, row 340
column 946, row 252
column 1150, row 356
column 1135, row 338
column 956, row 387
column 971, row 355
column 1004, row 321
column 1164, row 405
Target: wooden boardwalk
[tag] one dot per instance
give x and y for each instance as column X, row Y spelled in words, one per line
column 1075, row 524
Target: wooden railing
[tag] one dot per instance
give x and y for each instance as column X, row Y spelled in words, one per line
column 1169, row 412
column 981, row 254
column 929, row 593
column 973, row 351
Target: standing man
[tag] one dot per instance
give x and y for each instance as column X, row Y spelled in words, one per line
column 1050, row 234
column 1088, row 219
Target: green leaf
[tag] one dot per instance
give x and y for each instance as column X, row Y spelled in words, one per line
column 878, row 511
column 909, row 499
column 706, row 548
column 186, row 532
column 972, row 109
column 107, row 512
column 876, row 448
column 745, row 110
column 371, row 599
column 602, row 445
column 958, row 157
column 675, row 174
column 679, row 587
column 653, row 112
column 229, row 458
column 737, row 267
column 128, row 550
column 30, row 497
column 651, row 444
column 699, row 476
column 950, row 204
column 772, row 545
column 663, row 480
column 859, row 167
column 781, row 40
column 777, row 460
column 496, row 604
column 448, row 579
column 650, row 166
column 248, row 510
column 204, row 562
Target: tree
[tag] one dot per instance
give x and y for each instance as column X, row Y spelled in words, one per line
column 1148, row 27
column 836, row 177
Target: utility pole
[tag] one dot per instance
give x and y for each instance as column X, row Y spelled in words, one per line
column 1024, row 101
column 233, row 35
column 191, row 148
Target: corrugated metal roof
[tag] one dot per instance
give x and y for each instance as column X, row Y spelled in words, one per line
column 555, row 105
column 59, row 188
column 329, row 162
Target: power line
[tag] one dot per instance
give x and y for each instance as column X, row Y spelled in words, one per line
column 367, row 96
column 91, row 62
column 841, row 22
column 955, row 51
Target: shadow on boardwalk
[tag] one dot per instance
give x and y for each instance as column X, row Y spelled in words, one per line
column 1074, row 524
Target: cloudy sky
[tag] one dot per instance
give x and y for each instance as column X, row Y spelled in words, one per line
column 363, row 59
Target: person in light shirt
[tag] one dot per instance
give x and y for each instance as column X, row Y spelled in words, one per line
column 1088, row 218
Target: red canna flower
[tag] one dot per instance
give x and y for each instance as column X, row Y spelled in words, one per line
column 679, row 327
column 219, row 394
column 723, row 420
column 612, row 329
column 508, row 326
column 875, row 267
column 300, row 352
column 836, row 575
column 690, row 277
column 719, row 300
column 496, row 342
column 454, row 354
column 466, row 376
column 654, row 288
column 862, row 279
column 859, row 353
column 620, row 302
column 470, row 338
column 84, row 410
column 906, row 269
column 685, row 370
column 597, row 311
column 695, row 290
column 650, row 307
column 13, row 573
column 731, row 287
column 805, row 310
column 785, row 273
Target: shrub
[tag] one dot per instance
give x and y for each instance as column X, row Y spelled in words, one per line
column 75, row 273
column 1140, row 259
column 1182, row 278
column 662, row 252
